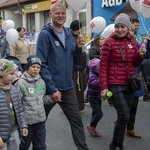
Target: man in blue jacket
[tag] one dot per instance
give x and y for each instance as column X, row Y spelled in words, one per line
column 4, row 46
column 57, row 51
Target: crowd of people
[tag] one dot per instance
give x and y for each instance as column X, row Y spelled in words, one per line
column 28, row 95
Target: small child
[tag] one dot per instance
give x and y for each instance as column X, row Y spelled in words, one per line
column 33, row 90
column 12, row 119
column 94, row 96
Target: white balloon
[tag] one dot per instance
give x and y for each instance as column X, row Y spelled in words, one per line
column 97, row 24
column 145, row 7
column 76, row 5
column 135, row 4
column 12, row 36
column 8, row 24
column 107, row 31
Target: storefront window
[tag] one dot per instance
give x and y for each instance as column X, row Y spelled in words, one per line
column 31, row 22
column 82, row 17
column 46, row 17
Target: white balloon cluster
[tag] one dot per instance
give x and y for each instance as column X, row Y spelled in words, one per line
column 141, row 6
column 76, row 5
column 97, row 24
column 11, row 33
column 108, row 30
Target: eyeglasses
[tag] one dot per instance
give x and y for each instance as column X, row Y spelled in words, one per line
column 5, row 67
column 36, row 60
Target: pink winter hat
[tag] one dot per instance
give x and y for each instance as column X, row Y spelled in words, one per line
column 94, row 64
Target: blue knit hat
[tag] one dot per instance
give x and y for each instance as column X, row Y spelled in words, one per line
column 33, row 59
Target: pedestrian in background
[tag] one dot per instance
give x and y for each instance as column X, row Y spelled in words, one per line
column 12, row 119
column 94, row 96
column 137, row 94
column 4, row 45
column 57, row 50
column 21, row 48
column 118, row 49
column 95, row 49
column 79, row 73
column 33, row 89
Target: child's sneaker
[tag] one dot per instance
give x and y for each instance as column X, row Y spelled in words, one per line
column 97, row 134
column 91, row 130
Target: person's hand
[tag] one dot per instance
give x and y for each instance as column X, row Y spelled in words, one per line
column 1, row 143
column 148, row 37
column 25, row 132
column 103, row 93
column 142, row 50
column 56, row 97
column 80, row 41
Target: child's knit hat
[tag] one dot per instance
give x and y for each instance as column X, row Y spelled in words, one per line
column 6, row 67
column 94, row 64
column 33, row 59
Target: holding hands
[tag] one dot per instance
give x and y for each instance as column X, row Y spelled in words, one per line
column 56, row 97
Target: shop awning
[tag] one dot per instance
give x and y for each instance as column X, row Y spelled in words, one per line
column 128, row 10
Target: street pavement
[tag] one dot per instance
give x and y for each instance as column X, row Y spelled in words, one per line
column 59, row 135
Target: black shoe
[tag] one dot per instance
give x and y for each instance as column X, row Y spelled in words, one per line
column 114, row 147
column 146, row 97
column 122, row 148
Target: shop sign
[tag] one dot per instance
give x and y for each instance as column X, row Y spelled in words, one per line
column 3, row 1
column 110, row 3
column 29, row 7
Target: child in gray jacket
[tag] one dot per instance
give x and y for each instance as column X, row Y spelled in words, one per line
column 33, row 90
column 12, row 119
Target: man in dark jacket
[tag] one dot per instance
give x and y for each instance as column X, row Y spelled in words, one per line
column 79, row 73
column 56, row 49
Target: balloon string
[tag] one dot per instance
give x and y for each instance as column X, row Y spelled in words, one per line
column 143, row 23
column 148, row 30
column 89, row 42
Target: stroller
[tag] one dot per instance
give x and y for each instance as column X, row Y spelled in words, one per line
column 16, row 61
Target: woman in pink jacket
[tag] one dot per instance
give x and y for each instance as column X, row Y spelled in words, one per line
column 114, row 75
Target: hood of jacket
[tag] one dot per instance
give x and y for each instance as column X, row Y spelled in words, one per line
column 29, row 78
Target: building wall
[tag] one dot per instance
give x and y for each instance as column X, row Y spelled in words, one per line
column 38, row 8
column 112, row 8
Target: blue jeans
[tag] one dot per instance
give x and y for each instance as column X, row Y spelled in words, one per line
column 122, row 99
column 133, row 113
column 36, row 135
column 97, row 113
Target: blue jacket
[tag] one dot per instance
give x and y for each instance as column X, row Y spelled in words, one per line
column 140, row 92
column 2, row 32
column 57, row 60
column 4, row 46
